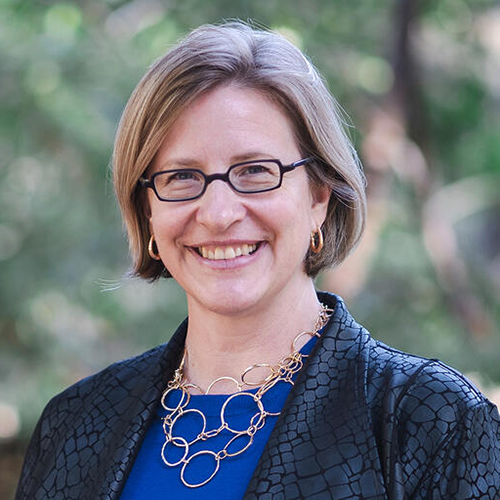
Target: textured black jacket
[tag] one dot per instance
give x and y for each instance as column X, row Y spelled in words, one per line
column 363, row 421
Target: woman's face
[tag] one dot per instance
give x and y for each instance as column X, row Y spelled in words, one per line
column 223, row 127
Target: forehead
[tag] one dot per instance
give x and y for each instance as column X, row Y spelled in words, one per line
column 228, row 123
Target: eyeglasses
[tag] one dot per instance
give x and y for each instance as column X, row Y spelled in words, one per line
column 248, row 177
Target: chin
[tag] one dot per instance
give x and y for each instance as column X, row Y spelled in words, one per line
column 229, row 301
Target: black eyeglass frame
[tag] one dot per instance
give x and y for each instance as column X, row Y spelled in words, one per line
column 150, row 183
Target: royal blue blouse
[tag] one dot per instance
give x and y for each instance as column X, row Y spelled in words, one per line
column 151, row 478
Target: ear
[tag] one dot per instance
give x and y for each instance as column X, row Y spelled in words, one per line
column 319, row 207
column 145, row 204
column 147, row 209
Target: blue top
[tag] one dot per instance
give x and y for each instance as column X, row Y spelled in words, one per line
column 151, row 478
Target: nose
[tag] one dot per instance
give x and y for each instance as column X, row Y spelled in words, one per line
column 219, row 207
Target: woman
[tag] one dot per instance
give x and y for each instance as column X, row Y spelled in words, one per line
column 234, row 176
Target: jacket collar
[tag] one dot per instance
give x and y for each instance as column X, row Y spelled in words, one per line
column 323, row 439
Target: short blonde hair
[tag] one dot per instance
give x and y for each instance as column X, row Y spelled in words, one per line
column 236, row 53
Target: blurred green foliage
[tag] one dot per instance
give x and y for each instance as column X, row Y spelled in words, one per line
column 67, row 69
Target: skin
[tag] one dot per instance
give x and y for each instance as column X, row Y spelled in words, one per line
column 248, row 309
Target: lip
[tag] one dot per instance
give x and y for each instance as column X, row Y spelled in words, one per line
column 223, row 243
column 235, row 263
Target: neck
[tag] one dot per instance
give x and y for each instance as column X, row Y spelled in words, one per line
column 221, row 345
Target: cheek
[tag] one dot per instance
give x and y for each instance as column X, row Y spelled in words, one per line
column 292, row 224
column 164, row 225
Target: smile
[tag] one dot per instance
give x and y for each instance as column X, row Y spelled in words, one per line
column 226, row 252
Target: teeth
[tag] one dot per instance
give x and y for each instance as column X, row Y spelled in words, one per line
column 227, row 253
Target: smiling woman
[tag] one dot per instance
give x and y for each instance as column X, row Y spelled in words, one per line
column 235, row 177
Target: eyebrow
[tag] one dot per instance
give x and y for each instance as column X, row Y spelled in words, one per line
column 254, row 155
column 192, row 163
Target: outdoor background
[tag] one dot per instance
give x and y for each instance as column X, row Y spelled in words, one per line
column 420, row 81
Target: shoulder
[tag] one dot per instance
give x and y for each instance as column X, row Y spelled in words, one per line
column 428, row 420
column 422, row 405
column 103, row 395
column 127, row 377
column 416, row 379
column 120, row 375
column 438, row 432
column 76, row 422
column 394, row 375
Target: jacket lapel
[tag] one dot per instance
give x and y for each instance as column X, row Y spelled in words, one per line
column 129, row 429
column 322, row 443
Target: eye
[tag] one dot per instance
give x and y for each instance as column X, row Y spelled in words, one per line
column 256, row 169
column 253, row 170
column 182, row 175
column 176, row 178
column 167, row 183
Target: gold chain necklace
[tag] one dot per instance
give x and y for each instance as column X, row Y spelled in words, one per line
column 239, row 440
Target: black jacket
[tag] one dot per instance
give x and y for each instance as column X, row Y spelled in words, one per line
column 363, row 421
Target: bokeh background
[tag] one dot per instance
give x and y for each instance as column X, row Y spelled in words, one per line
column 420, row 81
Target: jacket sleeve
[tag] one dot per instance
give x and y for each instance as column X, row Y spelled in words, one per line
column 28, row 479
column 448, row 439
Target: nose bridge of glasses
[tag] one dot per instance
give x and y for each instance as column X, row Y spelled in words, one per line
column 217, row 176
column 220, row 206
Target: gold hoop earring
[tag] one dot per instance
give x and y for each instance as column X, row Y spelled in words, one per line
column 152, row 254
column 316, row 240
